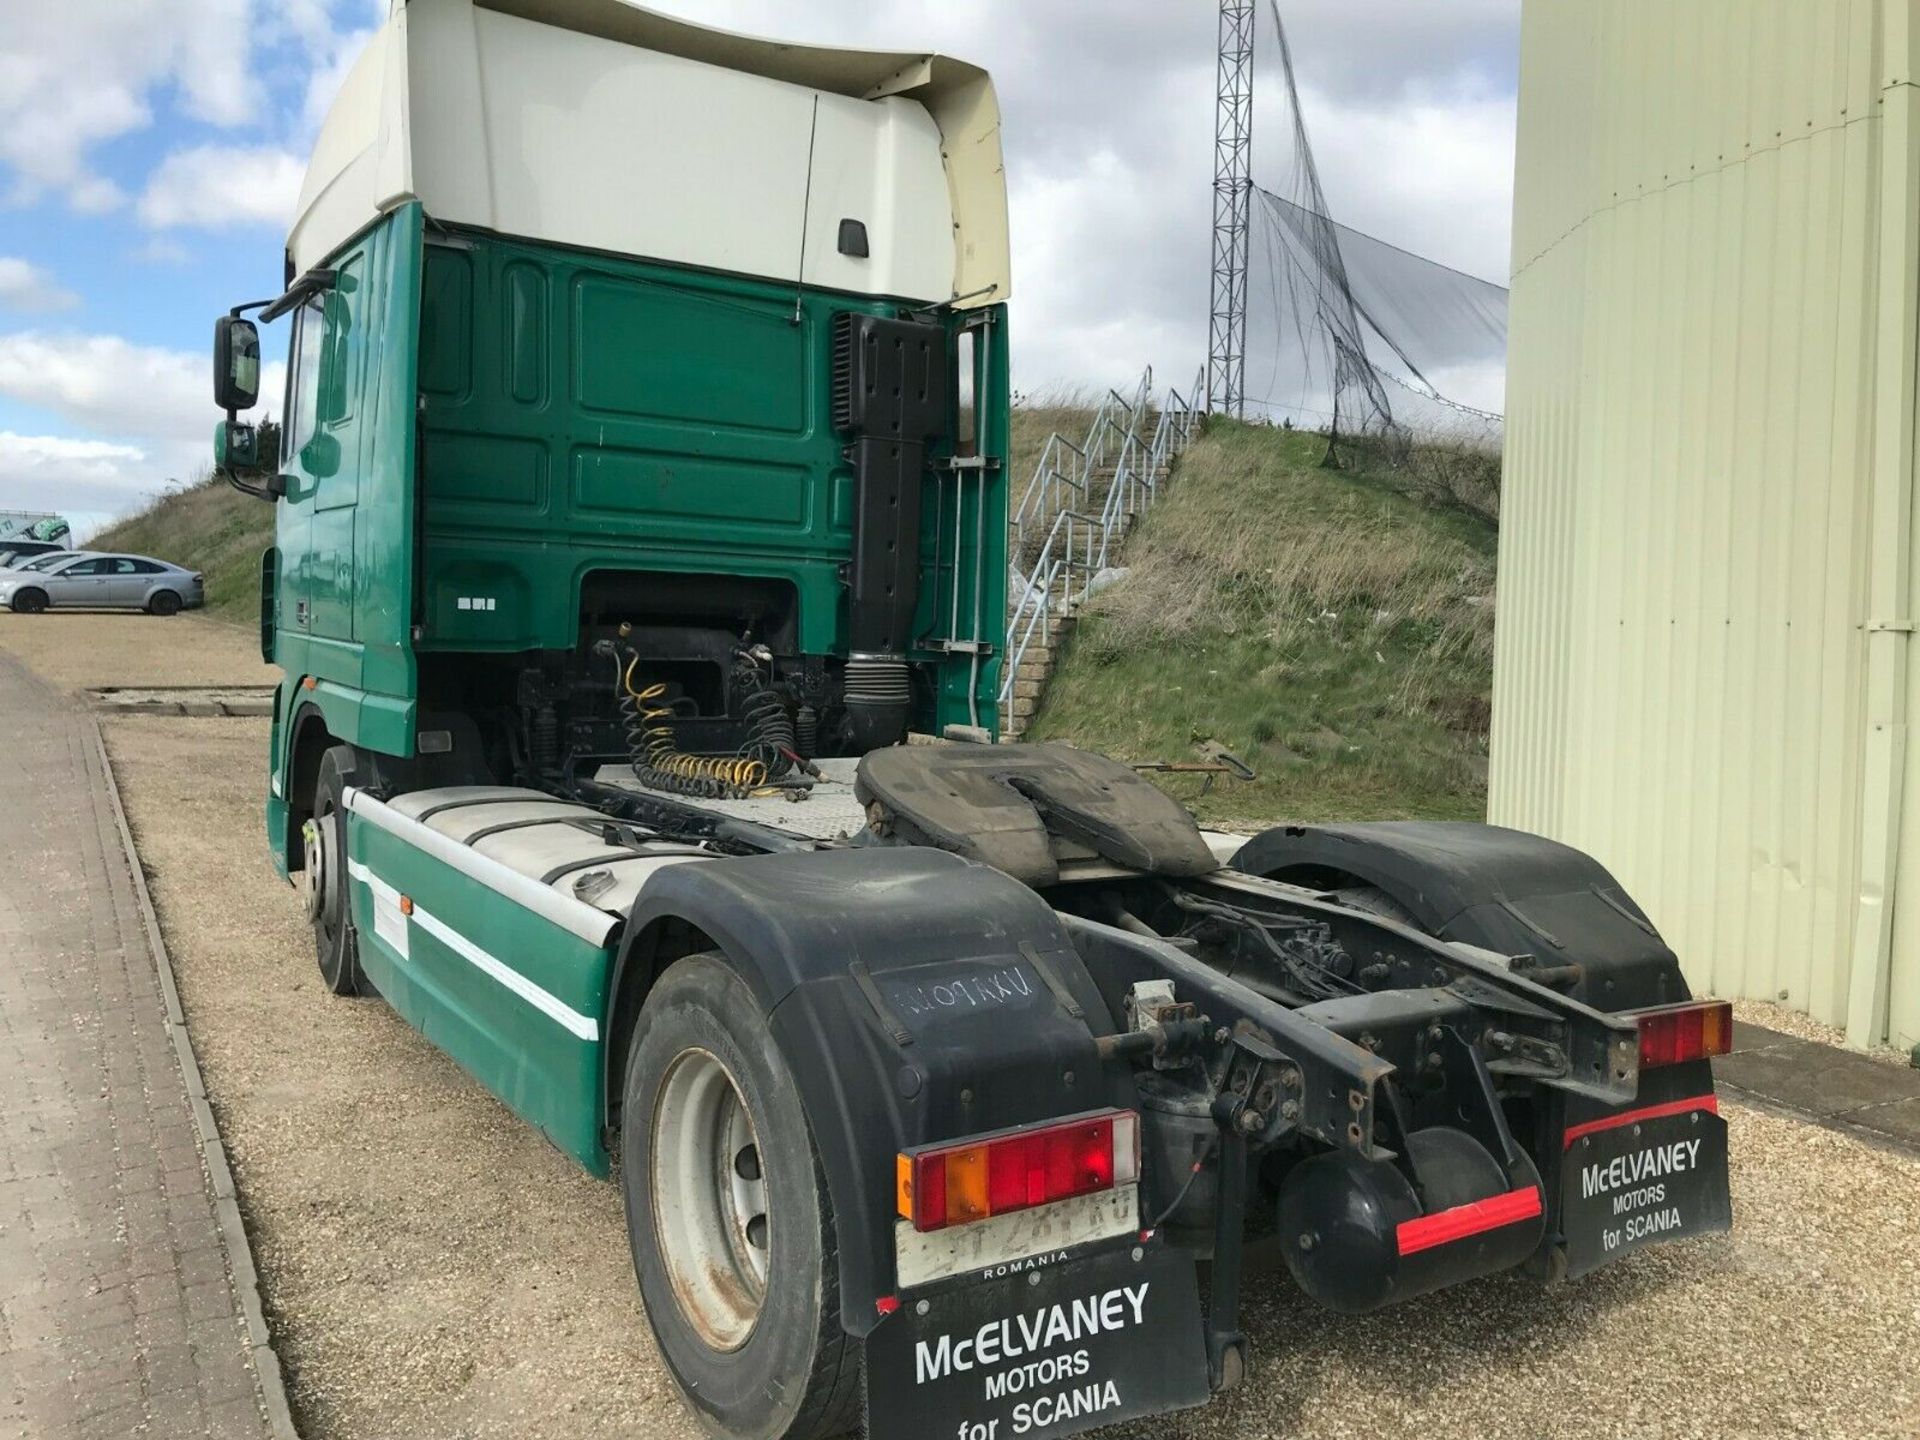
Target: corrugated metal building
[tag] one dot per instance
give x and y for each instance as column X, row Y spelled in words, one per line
column 1706, row 609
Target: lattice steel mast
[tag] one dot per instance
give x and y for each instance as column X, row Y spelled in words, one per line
column 1232, row 199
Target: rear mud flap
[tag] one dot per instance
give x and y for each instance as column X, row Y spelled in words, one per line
column 1643, row 1178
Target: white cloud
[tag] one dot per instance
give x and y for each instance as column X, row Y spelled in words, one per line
column 144, row 417
column 27, row 288
column 160, row 250
column 76, row 74
column 68, row 477
column 213, row 187
column 109, row 385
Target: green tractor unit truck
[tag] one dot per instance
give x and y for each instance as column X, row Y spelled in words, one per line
column 638, row 578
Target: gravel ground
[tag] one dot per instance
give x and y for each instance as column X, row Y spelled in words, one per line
column 433, row 1269
column 75, row 649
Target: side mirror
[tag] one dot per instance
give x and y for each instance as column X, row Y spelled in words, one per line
column 236, row 363
column 236, row 446
column 236, row 452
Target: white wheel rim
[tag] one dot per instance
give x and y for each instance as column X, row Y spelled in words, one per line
column 710, row 1199
column 317, row 837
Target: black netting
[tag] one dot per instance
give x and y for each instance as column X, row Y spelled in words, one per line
column 1368, row 343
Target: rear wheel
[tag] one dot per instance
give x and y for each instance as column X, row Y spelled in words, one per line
column 29, row 602
column 324, row 837
column 729, row 1218
column 163, row 602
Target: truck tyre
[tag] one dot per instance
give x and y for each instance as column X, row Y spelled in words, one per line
column 163, row 602
column 29, row 602
column 325, row 840
column 729, row 1218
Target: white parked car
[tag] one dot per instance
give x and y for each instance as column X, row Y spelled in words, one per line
column 97, row 582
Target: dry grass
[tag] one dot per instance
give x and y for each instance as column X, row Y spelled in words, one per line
column 1218, row 560
column 1464, row 473
column 75, row 649
column 1334, row 632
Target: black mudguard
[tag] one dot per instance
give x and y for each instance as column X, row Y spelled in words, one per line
column 1502, row 890
column 1515, row 894
column 917, row 997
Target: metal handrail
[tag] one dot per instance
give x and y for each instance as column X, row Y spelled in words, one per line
column 1078, row 544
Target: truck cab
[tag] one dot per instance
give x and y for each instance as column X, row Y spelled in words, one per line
column 744, row 391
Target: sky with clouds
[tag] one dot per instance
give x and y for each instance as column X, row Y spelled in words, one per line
column 151, row 150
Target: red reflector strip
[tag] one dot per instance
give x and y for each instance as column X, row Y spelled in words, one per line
column 1708, row 1103
column 1474, row 1218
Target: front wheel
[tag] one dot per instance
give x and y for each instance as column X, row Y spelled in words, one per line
column 29, row 602
column 729, row 1217
column 324, row 838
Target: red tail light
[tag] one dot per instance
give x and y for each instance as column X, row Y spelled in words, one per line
column 961, row 1181
column 1677, row 1033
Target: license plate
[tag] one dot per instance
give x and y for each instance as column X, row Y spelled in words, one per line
column 1053, row 1351
column 1641, row 1184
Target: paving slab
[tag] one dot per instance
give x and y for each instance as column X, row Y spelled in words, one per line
column 1843, row 1090
column 119, row 1311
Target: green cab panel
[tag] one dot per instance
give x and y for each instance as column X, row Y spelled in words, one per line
column 586, row 413
column 514, row 998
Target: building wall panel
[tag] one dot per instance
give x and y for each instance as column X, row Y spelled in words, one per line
column 1709, row 443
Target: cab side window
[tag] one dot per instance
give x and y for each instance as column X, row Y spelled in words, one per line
column 342, row 350
column 303, row 379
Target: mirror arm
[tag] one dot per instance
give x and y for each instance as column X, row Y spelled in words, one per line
column 312, row 283
column 272, row 488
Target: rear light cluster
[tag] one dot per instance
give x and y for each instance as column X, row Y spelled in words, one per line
column 985, row 1175
column 1678, row 1033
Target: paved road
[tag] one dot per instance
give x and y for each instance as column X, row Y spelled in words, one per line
column 118, row 1315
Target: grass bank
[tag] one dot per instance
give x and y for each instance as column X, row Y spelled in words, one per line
column 1332, row 631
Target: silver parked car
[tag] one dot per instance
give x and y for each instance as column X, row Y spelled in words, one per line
column 95, row 582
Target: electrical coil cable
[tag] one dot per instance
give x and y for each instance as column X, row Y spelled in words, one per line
column 645, row 725
column 770, row 735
